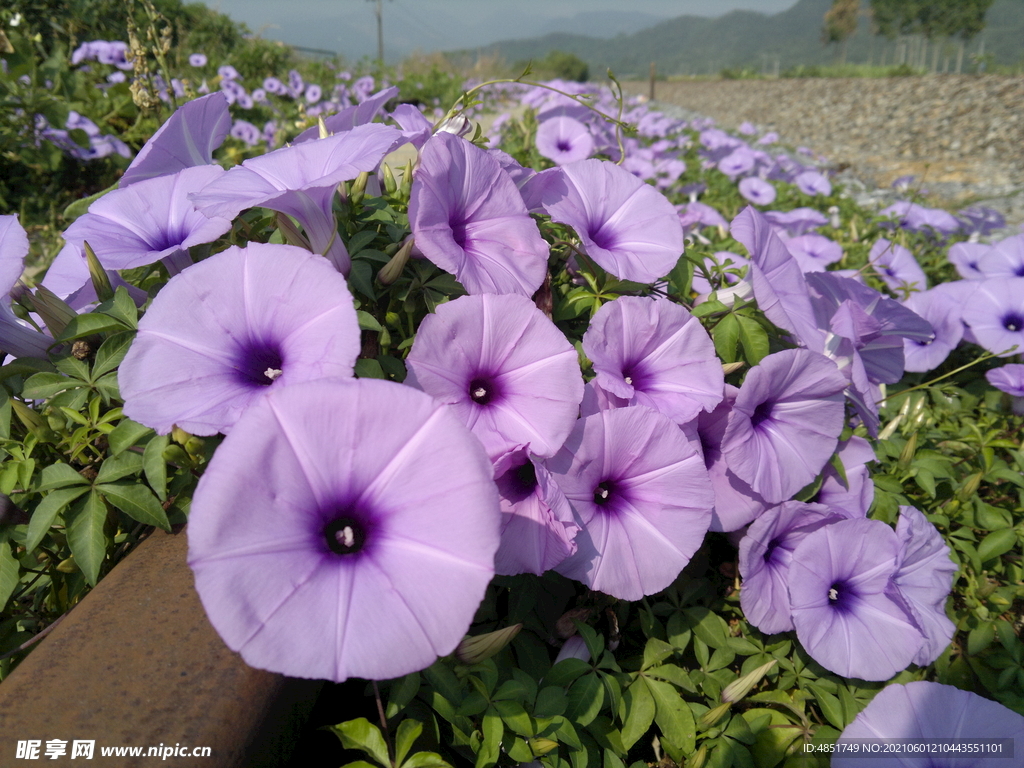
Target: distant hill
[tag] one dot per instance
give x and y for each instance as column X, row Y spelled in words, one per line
column 743, row 39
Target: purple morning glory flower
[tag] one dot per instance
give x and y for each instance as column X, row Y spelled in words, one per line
column 766, row 551
column 228, row 330
column 917, row 218
column 995, row 315
column 197, row 59
column 1009, row 379
column 785, row 423
column 416, row 129
column 944, row 314
column 923, row 581
column 797, row 221
column 301, row 181
column 737, row 162
column 839, row 578
column 564, row 140
column 641, row 495
column 187, row 139
column 247, row 132
column 814, row 252
column 227, row 72
column 350, row 117
column 151, row 220
column 747, row 128
column 504, row 369
column 927, row 710
column 16, row 338
column 273, row 85
column 654, row 353
column 344, row 529
column 313, row 93
column 537, row 527
column 1004, row 259
column 981, row 220
column 698, row 215
column 813, row 183
column 757, row 190
column 469, row 219
column 769, row 138
column 778, row 283
column 736, row 503
column 897, row 266
column 858, row 492
column 625, row 225
column 966, row 257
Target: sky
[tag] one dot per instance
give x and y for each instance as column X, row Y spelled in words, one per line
column 349, row 27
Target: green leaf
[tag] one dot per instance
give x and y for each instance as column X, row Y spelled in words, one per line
column 122, row 465
column 655, row 652
column 155, row 466
column 709, row 627
column 122, row 307
column 367, row 368
column 423, row 760
column 136, row 501
column 754, row 339
column 829, row 706
column 59, row 475
column 41, row 386
column 47, row 510
column 112, row 352
column 673, row 716
column 565, row 671
column 551, row 702
column 708, row 308
column 510, row 689
column 367, row 322
column 515, row 717
column 408, row 731
column 360, row 240
column 363, row 735
column 126, row 434
column 673, row 674
column 586, row 696
column 980, row 638
column 636, row 712
column 493, row 729
column 85, row 535
column 997, row 543
column 88, row 325
column 107, row 386
column 9, row 574
column 726, row 335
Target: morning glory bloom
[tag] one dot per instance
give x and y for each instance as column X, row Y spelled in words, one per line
column 503, row 368
column 197, row 59
column 796, row 222
column 856, row 493
column 944, row 315
column 923, row 580
column 641, row 495
column 966, row 257
column 698, row 215
column 225, row 331
column 757, row 190
column 654, row 353
column 897, row 266
column 813, row 183
column 344, row 529
column 247, row 132
column 917, row 218
column 785, row 423
column 350, row 117
column 187, row 139
column 1004, row 259
column 625, row 225
column 537, row 526
column 995, row 315
column 469, row 219
column 766, row 551
column 153, row 219
column 564, row 140
column 1009, row 379
column 778, row 283
column 927, row 710
column 301, row 181
column 228, row 72
column 839, row 581
column 814, row 252
column 737, row 162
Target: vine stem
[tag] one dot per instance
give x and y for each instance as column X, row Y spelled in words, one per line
column 925, row 385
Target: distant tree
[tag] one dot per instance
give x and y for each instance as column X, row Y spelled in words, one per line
column 563, row 65
column 895, row 17
column 841, row 24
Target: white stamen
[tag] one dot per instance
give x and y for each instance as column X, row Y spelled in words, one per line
column 479, row 393
column 272, row 373
column 833, row 594
column 602, row 492
column 629, row 380
column 346, row 537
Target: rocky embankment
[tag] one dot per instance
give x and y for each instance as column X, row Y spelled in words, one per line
column 962, row 137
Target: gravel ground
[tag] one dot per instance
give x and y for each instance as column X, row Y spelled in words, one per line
column 961, row 136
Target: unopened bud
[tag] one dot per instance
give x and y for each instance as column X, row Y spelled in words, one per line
column 179, row 435
column 712, row 716
column 291, row 233
column 700, row 758
column 907, row 454
column 55, row 312
column 194, row 446
column 541, row 746
column 473, row 650
column 458, row 124
column 405, row 188
column 321, row 127
column 739, row 688
column 67, row 566
column 833, row 217
column 391, row 271
column 390, row 185
column 359, row 188
column 728, row 368
column 573, row 648
column 98, row 275
column 970, row 487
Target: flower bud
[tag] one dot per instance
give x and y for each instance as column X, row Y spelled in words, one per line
column 98, row 275
column 54, row 311
column 473, row 650
column 391, row 271
column 390, row 185
column 358, row 190
column 712, row 716
column 458, row 124
column 739, row 688
column 321, row 127
column 907, row 454
column 541, row 746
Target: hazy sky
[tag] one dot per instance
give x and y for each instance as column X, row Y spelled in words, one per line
column 349, row 26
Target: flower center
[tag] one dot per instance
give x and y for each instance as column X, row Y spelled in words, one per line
column 260, row 364
column 483, row 391
column 459, row 232
column 345, row 535
column 762, row 413
column 603, row 492
column 526, row 476
column 563, row 145
column 839, row 596
column 1013, row 321
column 770, row 550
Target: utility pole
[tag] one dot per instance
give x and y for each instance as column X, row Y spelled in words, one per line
column 379, row 13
